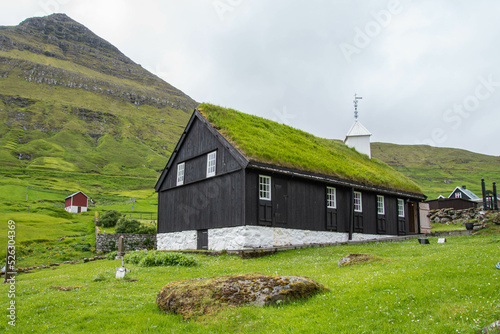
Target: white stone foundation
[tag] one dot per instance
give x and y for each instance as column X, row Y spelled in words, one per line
column 177, row 240
column 242, row 237
column 74, row 209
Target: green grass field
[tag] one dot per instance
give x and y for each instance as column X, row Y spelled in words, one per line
column 417, row 288
column 35, row 201
column 436, row 288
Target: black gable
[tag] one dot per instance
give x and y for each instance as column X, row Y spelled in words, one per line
column 198, row 139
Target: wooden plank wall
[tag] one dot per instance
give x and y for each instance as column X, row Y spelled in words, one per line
column 306, row 207
column 212, row 203
column 201, row 202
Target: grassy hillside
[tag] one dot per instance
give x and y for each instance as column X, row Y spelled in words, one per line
column 440, row 170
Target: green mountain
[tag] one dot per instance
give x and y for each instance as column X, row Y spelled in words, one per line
column 438, row 171
column 70, row 102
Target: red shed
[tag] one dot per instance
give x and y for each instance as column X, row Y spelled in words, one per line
column 76, row 202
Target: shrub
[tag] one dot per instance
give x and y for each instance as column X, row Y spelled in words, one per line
column 146, row 229
column 111, row 255
column 109, row 218
column 134, row 257
column 126, row 225
column 82, row 247
column 157, row 258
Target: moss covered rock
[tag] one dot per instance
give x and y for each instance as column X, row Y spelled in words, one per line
column 196, row 297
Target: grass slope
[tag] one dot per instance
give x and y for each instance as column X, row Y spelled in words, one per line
column 35, row 201
column 269, row 142
column 87, row 134
column 436, row 288
column 440, row 170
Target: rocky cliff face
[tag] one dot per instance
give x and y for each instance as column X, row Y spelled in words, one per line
column 58, row 36
column 60, row 80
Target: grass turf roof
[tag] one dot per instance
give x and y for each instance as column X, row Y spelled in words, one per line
column 265, row 141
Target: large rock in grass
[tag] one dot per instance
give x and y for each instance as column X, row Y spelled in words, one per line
column 200, row 296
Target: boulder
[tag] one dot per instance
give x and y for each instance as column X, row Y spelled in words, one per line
column 199, row 296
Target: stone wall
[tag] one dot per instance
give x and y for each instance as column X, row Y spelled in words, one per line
column 459, row 217
column 246, row 237
column 109, row 242
column 456, row 217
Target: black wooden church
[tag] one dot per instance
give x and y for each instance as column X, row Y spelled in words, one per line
column 236, row 181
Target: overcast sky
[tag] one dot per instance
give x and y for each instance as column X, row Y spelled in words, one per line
column 428, row 71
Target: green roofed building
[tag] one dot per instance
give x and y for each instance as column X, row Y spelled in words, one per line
column 237, row 181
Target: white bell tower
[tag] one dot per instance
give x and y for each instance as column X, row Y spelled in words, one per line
column 358, row 136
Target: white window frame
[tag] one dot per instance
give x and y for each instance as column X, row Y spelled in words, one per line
column 380, row 205
column 358, row 202
column 211, row 163
column 265, row 187
column 181, row 167
column 331, row 198
column 458, row 194
column 401, row 208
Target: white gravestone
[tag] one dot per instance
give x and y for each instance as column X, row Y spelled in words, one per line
column 121, row 271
